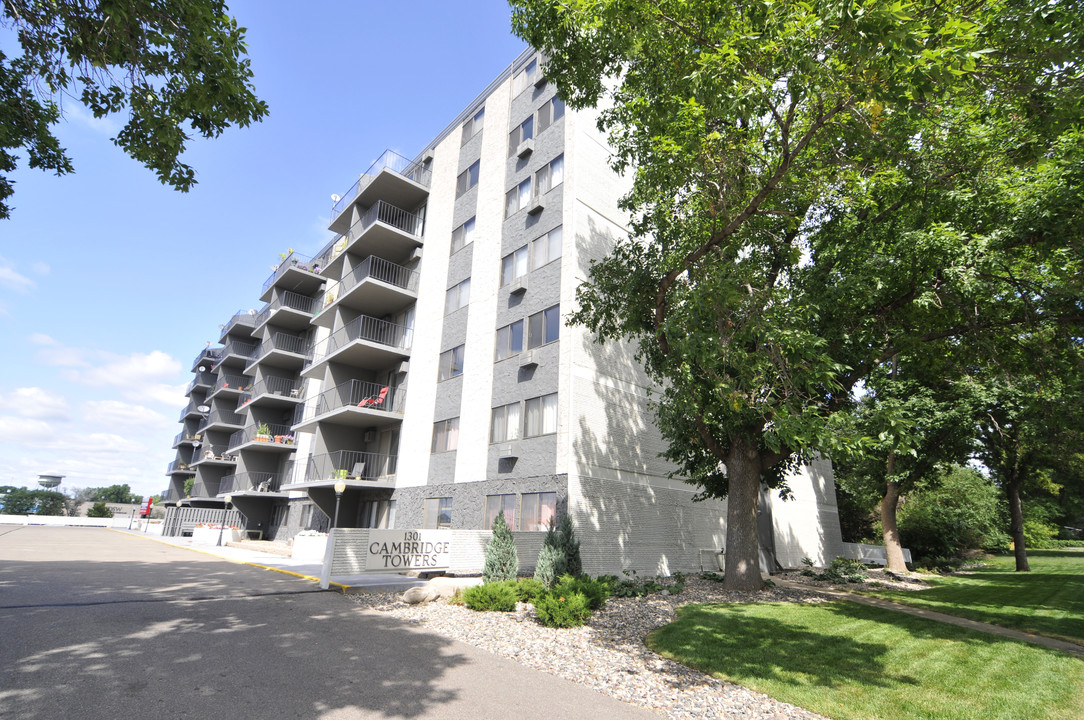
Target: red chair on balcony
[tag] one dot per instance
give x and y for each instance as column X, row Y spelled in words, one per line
column 375, row 402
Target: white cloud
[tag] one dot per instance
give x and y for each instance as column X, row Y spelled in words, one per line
column 128, row 371
column 12, row 279
column 43, row 339
column 35, row 403
column 40, row 268
column 108, row 125
column 117, row 414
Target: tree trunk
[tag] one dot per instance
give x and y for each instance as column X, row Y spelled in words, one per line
column 893, row 548
column 1016, row 527
column 742, row 554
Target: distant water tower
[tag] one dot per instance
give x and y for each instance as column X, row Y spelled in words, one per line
column 49, row 480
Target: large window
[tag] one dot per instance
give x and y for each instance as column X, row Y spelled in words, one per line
column 527, row 76
column 505, row 423
column 550, row 113
column 524, row 132
column 510, row 340
column 451, row 363
column 497, row 503
column 517, row 198
column 543, row 327
column 537, row 510
column 513, row 265
column 546, row 248
column 467, row 179
column 473, row 126
column 462, row 236
column 446, row 435
column 457, row 297
column 438, row 513
column 550, row 176
column 540, row 416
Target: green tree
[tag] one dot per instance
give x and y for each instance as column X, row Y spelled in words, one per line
column 175, row 67
column 99, row 510
column 20, row 501
column 502, row 560
column 818, row 187
column 114, row 494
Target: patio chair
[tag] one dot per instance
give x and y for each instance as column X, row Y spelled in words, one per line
column 376, row 401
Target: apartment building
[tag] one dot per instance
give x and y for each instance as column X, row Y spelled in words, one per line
column 422, row 358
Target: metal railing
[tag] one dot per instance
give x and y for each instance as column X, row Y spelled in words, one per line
column 284, row 342
column 251, row 481
column 221, row 453
column 232, row 383
column 189, row 409
column 202, row 489
column 239, row 347
column 272, row 386
column 168, row 495
column 218, row 416
column 293, row 260
column 263, row 432
column 178, row 466
column 208, row 355
column 366, row 328
column 204, row 380
column 286, row 299
column 351, row 464
column 244, row 318
column 388, row 160
column 382, row 270
column 356, row 393
column 185, row 436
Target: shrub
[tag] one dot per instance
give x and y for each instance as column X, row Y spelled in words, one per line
column 569, row 545
column 595, row 591
column 529, row 588
column 99, row 510
column 551, row 562
column 497, row 596
column 1039, row 535
column 556, row 610
column 502, row 561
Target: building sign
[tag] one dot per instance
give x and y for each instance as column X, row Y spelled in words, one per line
column 397, row 550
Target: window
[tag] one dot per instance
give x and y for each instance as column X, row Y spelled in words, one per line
column 467, row 179
column 543, row 327
column 517, row 198
column 451, row 363
column 438, row 513
column 497, row 503
column 510, row 340
column 524, row 132
column 537, row 511
column 550, row 113
column 458, row 296
column 462, row 236
column 550, row 176
column 513, row 265
column 540, row 416
column 505, row 423
column 546, row 248
column 527, row 76
column 446, row 435
column 473, row 126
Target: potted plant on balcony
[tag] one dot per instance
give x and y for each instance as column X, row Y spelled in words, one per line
column 288, row 439
column 263, row 432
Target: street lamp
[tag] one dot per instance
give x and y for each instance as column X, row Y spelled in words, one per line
column 222, row 526
column 340, row 485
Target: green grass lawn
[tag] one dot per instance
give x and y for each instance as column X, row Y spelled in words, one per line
column 1049, row 600
column 846, row 660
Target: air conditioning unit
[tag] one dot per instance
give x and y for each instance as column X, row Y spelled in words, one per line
column 415, row 254
column 528, row 359
column 508, row 451
column 525, row 148
column 519, row 286
column 536, row 205
column 540, row 80
column 402, row 367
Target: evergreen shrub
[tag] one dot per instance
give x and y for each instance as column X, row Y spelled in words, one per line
column 502, row 560
column 495, row 597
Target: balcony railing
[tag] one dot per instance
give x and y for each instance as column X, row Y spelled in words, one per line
column 178, row 466
column 408, row 222
column 284, row 342
column 202, row 380
column 169, row 495
column 202, row 490
column 286, row 299
column 263, row 432
column 293, row 260
column 389, row 160
column 369, row 329
column 185, row 436
column 271, row 386
column 239, row 347
column 243, row 318
column 218, row 416
column 382, row 270
column 351, row 464
column 233, row 383
column 220, row 453
column 355, row 393
column 207, row 355
column 251, row 482
column 189, row 409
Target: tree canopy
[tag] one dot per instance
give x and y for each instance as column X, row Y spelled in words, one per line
column 174, row 66
column 818, row 187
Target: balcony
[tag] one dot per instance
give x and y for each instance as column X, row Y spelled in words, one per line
column 206, row 358
column 231, row 385
column 243, row 319
column 382, row 229
column 204, row 490
column 282, row 350
column 202, row 380
column 376, row 286
column 262, row 436
column 186, row 438
column 213, row 455
column 296, row 272
column 222, row 419
column 169, row 495
column 356, row 404
column 179, row 467
column 351, row 465
column 271, row 392
column 364, row 342
column 289, row 310
column 393, row 178
column 260, row 482
column 190, row 410
column 237, row 353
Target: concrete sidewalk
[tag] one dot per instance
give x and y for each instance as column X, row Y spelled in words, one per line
column 368, row 582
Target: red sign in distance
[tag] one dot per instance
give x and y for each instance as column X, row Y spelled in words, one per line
column 146, row 512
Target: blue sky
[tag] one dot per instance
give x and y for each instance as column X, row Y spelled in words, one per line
column 111, row 283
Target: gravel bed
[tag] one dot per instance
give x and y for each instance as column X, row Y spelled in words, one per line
column 608, row 653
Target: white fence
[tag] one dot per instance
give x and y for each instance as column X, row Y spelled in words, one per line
column 117, row 521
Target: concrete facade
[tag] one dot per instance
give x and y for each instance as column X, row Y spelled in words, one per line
column 392, row 373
